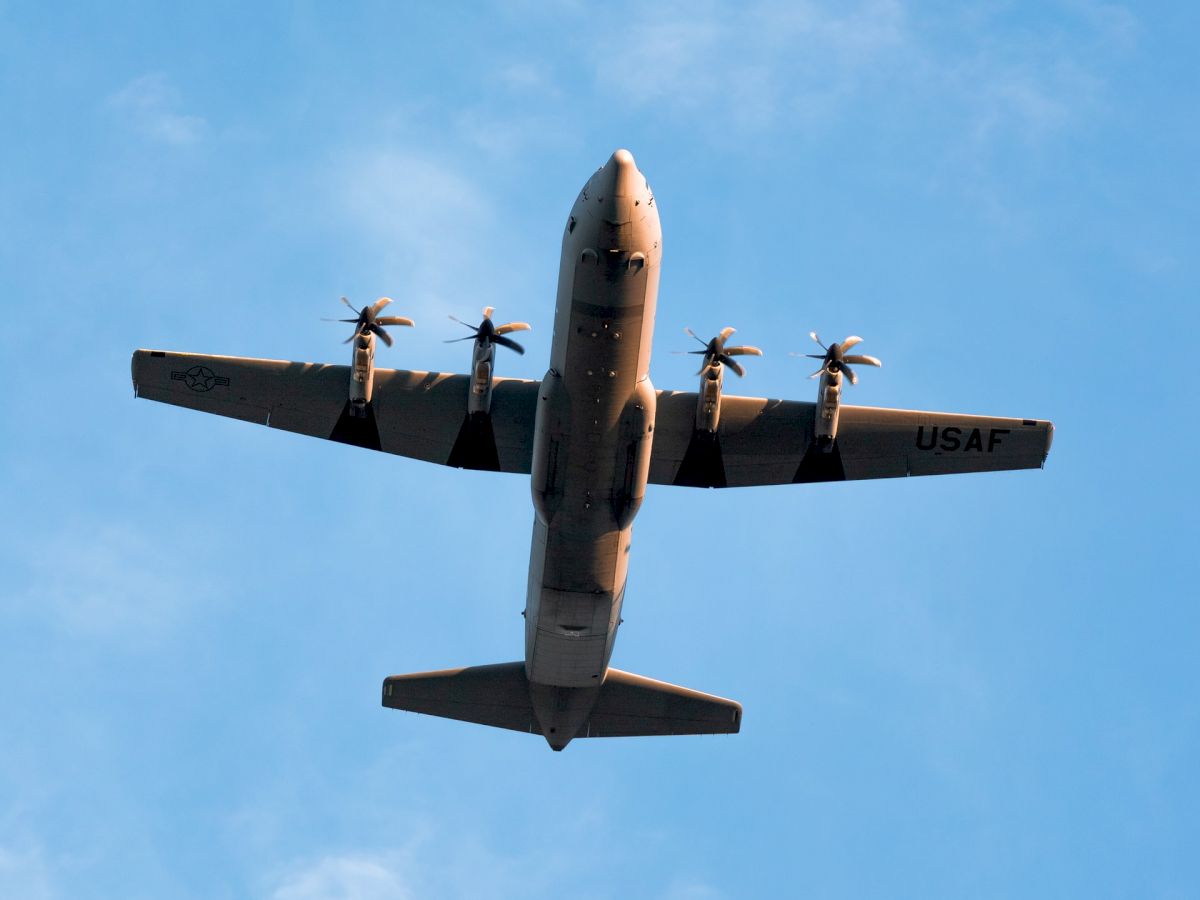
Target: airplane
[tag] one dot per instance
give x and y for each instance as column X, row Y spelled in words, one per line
column 591, row 434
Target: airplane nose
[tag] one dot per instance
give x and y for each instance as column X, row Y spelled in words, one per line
column 621, row 176
column 617, row 205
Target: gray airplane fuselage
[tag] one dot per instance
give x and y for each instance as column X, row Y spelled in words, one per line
column 593, row 434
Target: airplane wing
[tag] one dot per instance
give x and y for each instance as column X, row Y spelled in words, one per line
column 762, row 441
column 422, row 415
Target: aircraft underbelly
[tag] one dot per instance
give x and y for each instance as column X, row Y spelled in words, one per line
column 594, row 436
column 593, row 432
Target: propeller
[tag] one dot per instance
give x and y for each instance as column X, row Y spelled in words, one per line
column 487, row 333
column 716, row 353
column 834, row 359
column 370, row 322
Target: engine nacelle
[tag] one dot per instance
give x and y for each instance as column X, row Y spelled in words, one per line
column 362, row 374
column 480, row 398
column 708, row 403
column 829, row 402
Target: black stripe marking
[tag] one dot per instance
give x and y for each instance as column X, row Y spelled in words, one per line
column 818, row 465
column 703, row 465
column 475, row 446
column 351, row 429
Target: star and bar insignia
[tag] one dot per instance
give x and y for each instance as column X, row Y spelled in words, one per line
column 200, row 378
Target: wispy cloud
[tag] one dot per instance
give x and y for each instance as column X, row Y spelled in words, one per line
column 504, row 136
column 348, row 877
column 423, row 220
column 150, row 105
column 691, row 889
column 746, row 65
column 771, row 65
column 107, row 579
column 456, row 866
column 529, row 77
column 24, row 873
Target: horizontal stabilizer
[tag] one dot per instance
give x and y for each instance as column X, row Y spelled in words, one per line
column 632, row 705
column 496, row 695
column 626, row 705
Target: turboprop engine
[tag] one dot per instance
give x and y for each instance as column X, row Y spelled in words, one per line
column 487, row 337
column 712, row 375
column 834, row 362
column 367, row 325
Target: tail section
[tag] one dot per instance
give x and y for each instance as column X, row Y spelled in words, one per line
column 625, row 705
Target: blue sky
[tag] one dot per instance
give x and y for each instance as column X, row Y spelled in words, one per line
column 981, row 686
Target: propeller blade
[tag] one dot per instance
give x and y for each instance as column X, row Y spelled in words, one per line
column 813, row 335
column 383, row 335
column 734, row 365
column 379, row 305
column 461, row 322
column 863, row 361
column 395, row 320
column 349, row 304
column 349, row 339
column 696, row 336
column 814, row 355
column 849, row 373
column 743, row 351
column 850, row 342
column 469, row 337
column 508, row 342
column 725, row 333
column 512, row 326
column 323, row 319
column 817, row 373
column 487, row 311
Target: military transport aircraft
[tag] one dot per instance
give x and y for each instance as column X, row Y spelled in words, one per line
column 591, row 435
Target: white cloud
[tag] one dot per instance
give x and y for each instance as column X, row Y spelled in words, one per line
column 747, row 65
column 150, row 105
column 423, row 222
column 348, row 877
column 502, row 137
column 25, row 874
column 528, row 77
column 773, row 65
column 466, row 870
column 108, row 579
column 691, row 889
column 454, row 860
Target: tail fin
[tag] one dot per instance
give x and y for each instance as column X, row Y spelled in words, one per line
column 625, row 705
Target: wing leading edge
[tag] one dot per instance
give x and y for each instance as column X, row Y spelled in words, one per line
column 761, row 442
column 421, row 415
